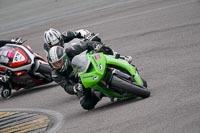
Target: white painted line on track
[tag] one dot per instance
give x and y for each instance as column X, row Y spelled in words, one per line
column 56, row 116
column 146, row 12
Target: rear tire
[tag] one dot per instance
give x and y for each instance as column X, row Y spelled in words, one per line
column 122, row 85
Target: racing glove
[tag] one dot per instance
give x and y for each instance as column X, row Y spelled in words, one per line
column 17, row 40
column 83, row 33
column 78, row 89
column 98, row 46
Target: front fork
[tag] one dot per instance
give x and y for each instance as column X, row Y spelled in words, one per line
column 134, row 78
column 122, row 75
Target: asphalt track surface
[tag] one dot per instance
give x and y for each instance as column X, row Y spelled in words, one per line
column 162, row 36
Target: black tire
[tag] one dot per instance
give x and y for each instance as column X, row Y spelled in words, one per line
column 144, row 82
column 5, row 92
column 120, row 84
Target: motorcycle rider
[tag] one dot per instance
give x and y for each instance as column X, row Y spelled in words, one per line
column 60, row 60
column 53, row 37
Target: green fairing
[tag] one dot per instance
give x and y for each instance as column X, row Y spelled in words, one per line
column 99, row 62
column 125, row 65
column 96, row 73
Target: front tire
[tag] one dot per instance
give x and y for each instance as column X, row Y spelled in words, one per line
column 5, row 92
column 122, row 85
column 144, row 83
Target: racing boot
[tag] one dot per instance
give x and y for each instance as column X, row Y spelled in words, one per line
column 90, row 98
column 98, row 94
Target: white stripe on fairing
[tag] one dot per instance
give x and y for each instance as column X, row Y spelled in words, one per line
column 31, row 55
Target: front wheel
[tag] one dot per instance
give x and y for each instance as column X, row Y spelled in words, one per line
column 5, row 92
column 144, row 83
column 122, row 85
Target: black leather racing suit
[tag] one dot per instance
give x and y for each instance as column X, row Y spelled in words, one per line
column 68, row 36
column 65, row 77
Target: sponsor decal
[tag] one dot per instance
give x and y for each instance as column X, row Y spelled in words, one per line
column 100, row 66
column 18, row 57
column 95, row 77
column 97, row 56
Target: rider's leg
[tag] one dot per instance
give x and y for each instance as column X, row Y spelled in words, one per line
column 89, row 99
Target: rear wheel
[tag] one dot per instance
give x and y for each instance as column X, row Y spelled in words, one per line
column 122, row 85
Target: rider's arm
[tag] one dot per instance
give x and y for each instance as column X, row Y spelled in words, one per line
column 68, row 36
column 63, row 82
column 79, row 48
column 82, row 33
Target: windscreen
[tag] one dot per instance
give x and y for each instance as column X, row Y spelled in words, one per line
column 80, row 63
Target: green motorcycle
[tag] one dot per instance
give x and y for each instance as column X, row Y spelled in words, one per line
column 115, row 78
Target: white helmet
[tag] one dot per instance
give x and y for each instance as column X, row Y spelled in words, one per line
column 53, row 37
column 57, row 57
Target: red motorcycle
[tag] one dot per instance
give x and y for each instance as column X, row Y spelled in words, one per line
column 20, row 67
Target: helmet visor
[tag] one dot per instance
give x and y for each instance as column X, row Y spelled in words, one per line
column 58, row 64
